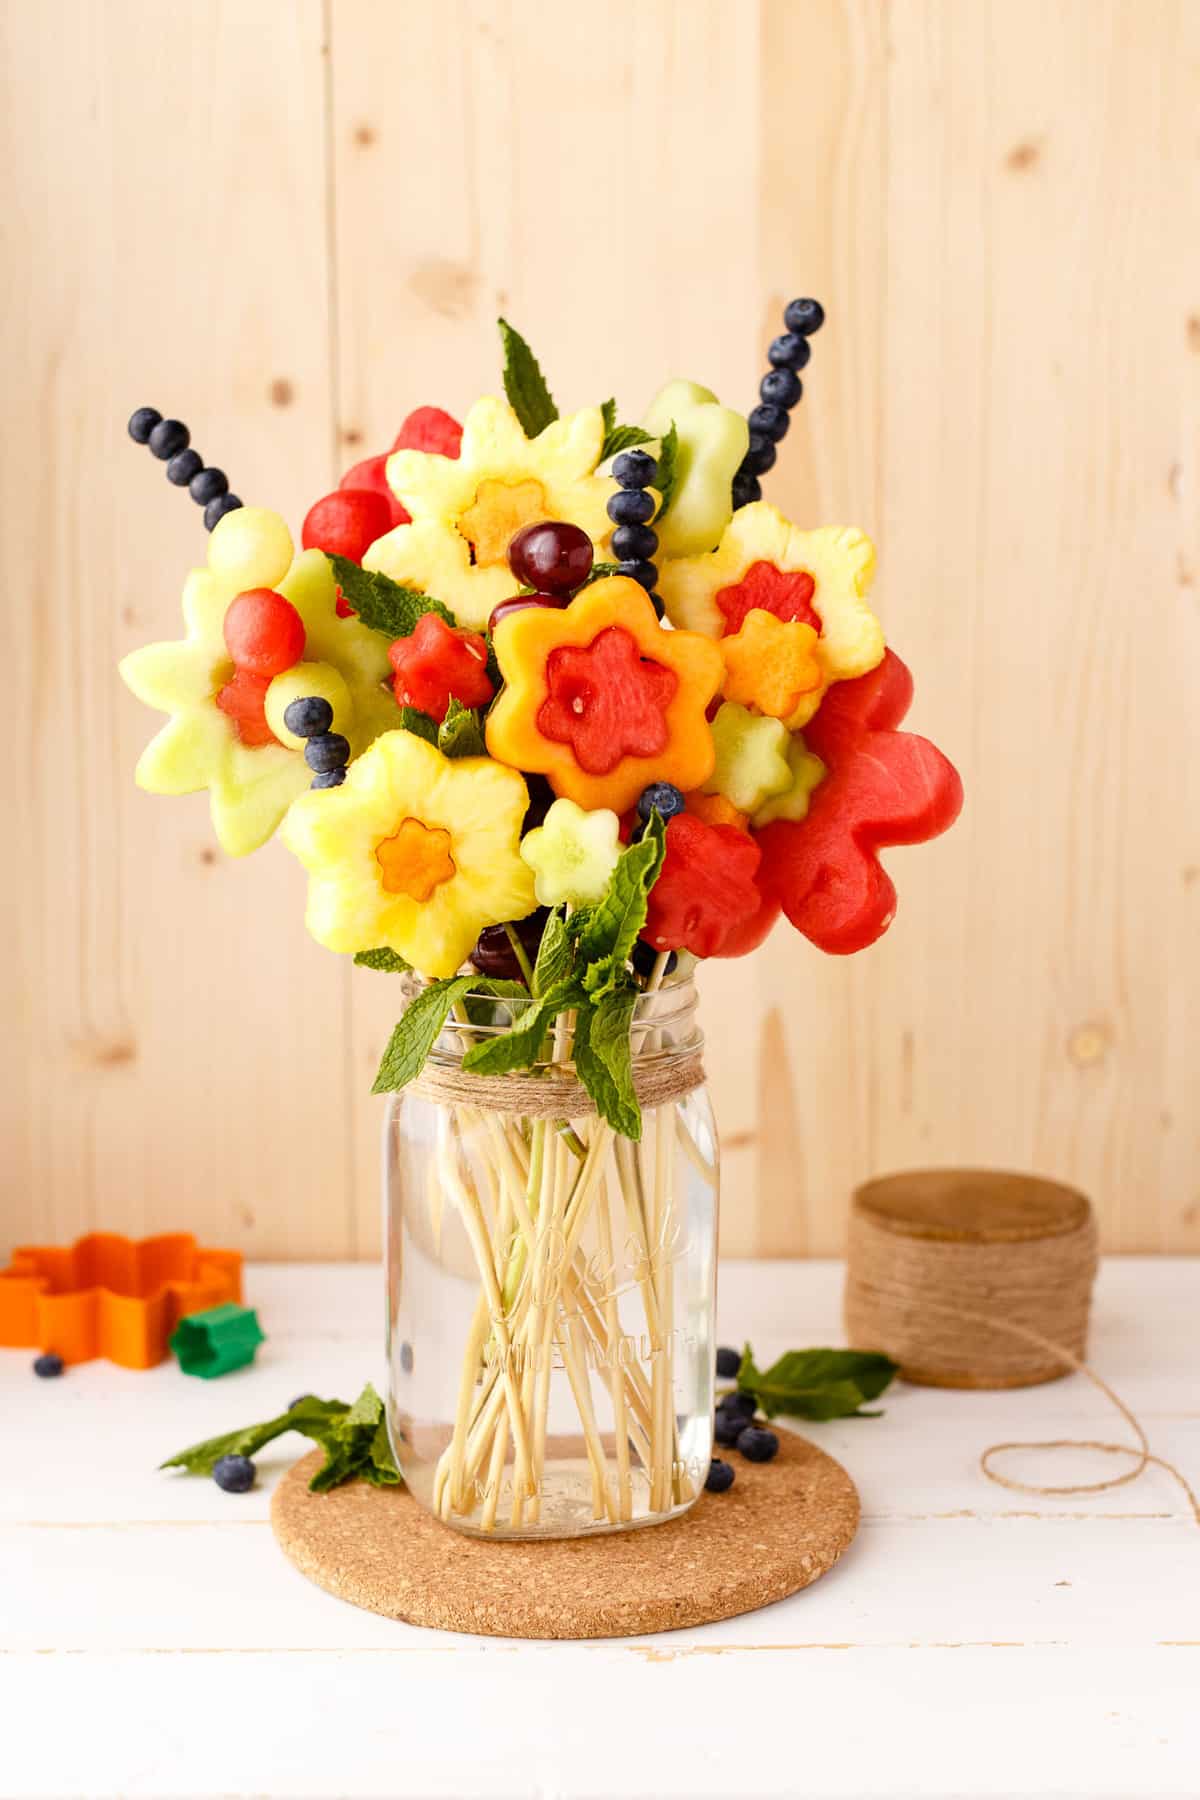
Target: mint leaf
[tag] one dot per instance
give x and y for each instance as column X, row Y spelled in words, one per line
column 419, row 723
column 381, row 1470
column 381, row 602
column 518, row 1048
column 604, row 1060
column 418, row 1031
column 621, row 437
column 600, row 572
column 611, row 929
column 818, row 1384
column 383, row 959
column 555, row 955
column 668, row 462
column 459, row 733
column 608, row 412
column 524, row 384
column 315, row 1418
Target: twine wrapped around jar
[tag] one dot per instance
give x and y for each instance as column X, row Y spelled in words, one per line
column 554, row 1092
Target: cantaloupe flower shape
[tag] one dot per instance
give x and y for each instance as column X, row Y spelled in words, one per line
column 820, row 578
column 250, row 787
column 415, row 851
column 466, row 511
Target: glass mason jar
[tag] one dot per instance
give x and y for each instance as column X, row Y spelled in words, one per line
column 551, row 1284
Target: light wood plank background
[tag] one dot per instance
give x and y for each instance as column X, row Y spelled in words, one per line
column 289, row 221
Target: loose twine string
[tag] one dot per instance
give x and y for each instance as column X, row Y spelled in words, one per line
column 892, row 1286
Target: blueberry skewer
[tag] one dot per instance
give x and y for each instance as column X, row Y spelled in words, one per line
column 325, row 751
column 170, row 440
column 779, row 390
column 631, row 508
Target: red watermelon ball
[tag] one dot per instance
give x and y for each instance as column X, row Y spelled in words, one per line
column 264, row 633
column 371, row 476
column 347, row 523
column 432, row 430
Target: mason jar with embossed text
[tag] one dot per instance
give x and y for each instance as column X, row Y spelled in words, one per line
column 550, row 1281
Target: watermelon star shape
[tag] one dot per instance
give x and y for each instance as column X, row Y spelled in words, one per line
column 819, row 578
column 466, row 511
column 251, row 786
column 884, row 786
column 601, row 700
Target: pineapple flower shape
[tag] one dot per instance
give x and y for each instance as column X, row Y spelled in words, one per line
column 466, row 511
column 816, row 578
column 601, row 700
column 252, row 786
column 573, row 854
column 414, row 851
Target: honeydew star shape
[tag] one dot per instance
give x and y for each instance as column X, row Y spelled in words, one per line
column 752, row 761
column 572, row 854
column 250, row 788
column 357, row 838
column 466, row 510
column 841, row 562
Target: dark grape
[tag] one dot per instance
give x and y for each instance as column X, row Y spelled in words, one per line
column 552, row 556
column 494, row 956
column 519, row 602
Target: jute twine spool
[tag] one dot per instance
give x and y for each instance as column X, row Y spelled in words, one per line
column 976, row 1278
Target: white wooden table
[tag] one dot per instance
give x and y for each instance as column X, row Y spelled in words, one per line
column 973, row 1641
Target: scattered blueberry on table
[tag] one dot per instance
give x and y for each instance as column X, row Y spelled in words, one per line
column 728, row 1362
column 235, row 1474
column 721, row 1476
column 744, row 1405
column 48, row 1364
column 728, row 1427
column 757, row 1444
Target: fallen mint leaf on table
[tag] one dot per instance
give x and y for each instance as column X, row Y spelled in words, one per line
column 354, row 1439
column 817, row 1384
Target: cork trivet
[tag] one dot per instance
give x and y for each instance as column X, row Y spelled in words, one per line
column 779, row 1528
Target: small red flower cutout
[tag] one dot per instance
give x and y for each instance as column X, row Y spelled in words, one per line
column 606, row 701
column 786, row 593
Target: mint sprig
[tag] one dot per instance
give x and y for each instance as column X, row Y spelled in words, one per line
column 381, row 602
column 418, row 1031
column 419, row 723
column 460, row 733
column 668, row 470
column 354, row 1439
column 383, row 959
column 525, row 384
column 817, row 1384
column 604, row 1059
column 608, row 932
column 619, row 437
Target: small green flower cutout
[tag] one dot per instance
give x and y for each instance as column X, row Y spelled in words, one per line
column 752, row 757
column 573, row 854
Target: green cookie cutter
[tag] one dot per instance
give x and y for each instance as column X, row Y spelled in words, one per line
column 218, row 1341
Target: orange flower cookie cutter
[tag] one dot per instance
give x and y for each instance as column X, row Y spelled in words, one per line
column 112, row 1296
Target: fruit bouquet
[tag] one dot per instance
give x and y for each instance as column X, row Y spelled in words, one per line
column 549, row 707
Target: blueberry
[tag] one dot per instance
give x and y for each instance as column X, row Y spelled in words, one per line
column 721, row 1476
column 406, row 1358
column 804, row 316
column 745, row 488
column 738, row 1405
column 728, row 1427
column 634, row 469
column 644, row 573
column 781, row 387
column 757, row 1445
column 142, row 423
column 645, row 956
column 49, row 1363
column 328, row 778
column 168, row 438
column 208, row 485
column 631, row 506
column 234, row 1473
column 789, row 351
column 760, row 456
column 662, row 796
column 729, row 1361
column 771, row 421
column 328, row 750
column 183, row 467
column 216, row 509
column 309, row 716
column 634, row 543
